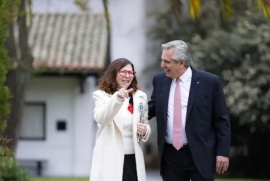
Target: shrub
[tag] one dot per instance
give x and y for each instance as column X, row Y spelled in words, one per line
column 11, row 171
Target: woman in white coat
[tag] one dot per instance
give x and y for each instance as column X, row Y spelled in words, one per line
column 119, row 110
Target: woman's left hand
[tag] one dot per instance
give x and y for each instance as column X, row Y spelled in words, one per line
column 141, row 128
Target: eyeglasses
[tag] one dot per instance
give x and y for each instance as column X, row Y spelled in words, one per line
column 123, row 73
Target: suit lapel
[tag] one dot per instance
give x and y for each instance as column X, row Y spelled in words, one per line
column 194, row 87
column 167, row 86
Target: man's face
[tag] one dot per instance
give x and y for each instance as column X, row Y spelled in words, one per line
column 172, row 69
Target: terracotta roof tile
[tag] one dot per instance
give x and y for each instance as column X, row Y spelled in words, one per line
column 69, row 42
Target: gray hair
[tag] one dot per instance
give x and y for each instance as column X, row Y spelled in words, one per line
column 181, row 51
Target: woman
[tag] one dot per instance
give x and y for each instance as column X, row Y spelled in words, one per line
column 119, row 111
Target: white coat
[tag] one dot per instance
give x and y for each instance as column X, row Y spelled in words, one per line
column 108, row 153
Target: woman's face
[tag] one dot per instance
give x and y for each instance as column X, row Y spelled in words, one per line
column 125, row 76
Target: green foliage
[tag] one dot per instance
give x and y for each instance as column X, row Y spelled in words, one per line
column 239, row 53
column 4, row 64
column 8, row 9
column 5, row 19
column 82, row 4
column 4, row 150
column 168, row 28
column 10, row 171
column 60, row 179
column 242, row 59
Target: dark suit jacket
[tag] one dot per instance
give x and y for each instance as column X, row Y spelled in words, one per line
column 207, row 120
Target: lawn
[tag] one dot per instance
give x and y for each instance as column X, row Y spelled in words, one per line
column 59, row 179
column 86, row 179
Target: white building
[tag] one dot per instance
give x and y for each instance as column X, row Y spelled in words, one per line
column 71, row 51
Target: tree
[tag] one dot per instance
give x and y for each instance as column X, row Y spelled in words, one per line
column 9, row 169
column 21, row 68
column 242, row 60
column 8, row 9
column 239, row 53
column 241, row 57
column 226, row 8
column 20, row 72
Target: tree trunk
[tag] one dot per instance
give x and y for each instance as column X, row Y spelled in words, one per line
column 18, row 77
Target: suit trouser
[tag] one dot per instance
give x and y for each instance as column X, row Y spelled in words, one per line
column 178, row 165
column 129, row 169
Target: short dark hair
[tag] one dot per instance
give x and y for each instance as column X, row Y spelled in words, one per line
column 108, row 82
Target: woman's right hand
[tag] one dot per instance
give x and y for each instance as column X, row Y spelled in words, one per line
column 123, row 92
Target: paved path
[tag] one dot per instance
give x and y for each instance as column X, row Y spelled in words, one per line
column 153, row 175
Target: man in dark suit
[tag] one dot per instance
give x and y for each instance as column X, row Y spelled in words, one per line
column 192, row 119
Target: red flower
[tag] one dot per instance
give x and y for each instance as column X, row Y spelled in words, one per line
column 130, row 108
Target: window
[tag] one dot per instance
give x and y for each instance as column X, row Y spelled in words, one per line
column 33, row 122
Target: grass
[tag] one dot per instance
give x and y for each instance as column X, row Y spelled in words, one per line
column 59, row 179
column 86, row 179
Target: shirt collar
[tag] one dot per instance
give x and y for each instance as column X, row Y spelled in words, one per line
column 186, row 75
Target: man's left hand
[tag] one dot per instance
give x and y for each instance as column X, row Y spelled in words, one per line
column 222, row 164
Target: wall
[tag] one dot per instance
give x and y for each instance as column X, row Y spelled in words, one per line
column 68, row 152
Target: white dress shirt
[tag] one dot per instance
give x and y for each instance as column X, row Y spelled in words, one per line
column 185, row 81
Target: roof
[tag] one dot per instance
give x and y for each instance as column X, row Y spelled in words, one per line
column 69, row 43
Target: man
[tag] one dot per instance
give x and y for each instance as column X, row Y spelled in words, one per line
column 192, row 118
